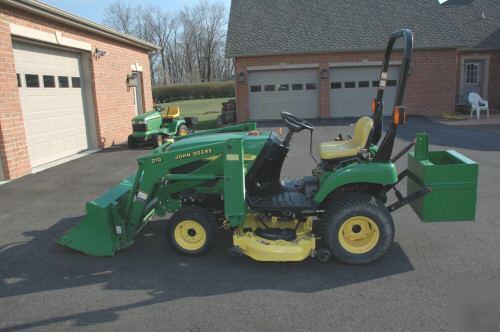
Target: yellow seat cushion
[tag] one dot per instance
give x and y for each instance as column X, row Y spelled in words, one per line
column 171, row 112
column 350, row 148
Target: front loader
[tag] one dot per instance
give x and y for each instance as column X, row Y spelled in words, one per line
column 229, row 178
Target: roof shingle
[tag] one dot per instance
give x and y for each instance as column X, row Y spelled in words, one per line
column 263, row 27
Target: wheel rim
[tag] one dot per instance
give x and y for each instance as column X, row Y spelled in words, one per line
column 183, row 131
column 359, row 235
column 190, row 235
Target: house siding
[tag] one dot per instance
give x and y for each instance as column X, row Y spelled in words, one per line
column 113, row 102
column 430, row 89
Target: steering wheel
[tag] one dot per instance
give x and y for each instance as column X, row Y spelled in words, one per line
column 158, row 108
column 295, row 124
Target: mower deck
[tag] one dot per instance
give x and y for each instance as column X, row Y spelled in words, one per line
column 275, row 250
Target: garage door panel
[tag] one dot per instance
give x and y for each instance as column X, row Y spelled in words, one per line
column 54, row 117
column 356, row 101
column 269, row 104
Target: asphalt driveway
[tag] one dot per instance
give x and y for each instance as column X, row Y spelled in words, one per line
column 416, row 287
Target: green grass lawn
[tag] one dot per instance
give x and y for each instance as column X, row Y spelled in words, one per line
column 206, row 110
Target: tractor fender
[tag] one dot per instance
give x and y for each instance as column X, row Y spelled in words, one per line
column 375, row 173
column 179, row 122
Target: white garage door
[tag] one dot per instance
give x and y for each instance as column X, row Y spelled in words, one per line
column 49, row 83
column 272, row 92
column 352, row 90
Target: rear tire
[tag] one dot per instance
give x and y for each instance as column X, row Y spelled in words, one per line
column 357, row 228
column 158, row 140
column 192, row 231
column 182, row 130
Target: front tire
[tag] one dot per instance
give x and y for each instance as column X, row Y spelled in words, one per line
column 192, row 231
column 357, row 228
column 132, row 143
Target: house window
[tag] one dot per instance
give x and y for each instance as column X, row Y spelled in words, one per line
column 19, row 83
column 283, row 87
column 63, row 81
column 297, row 87
column 349, row 85
column 336, row 85
column 311, row 86
column 255, row 88
column 363, row 84
column 375, row 84
column 270, row 87
column 75, row 82
column 392, row 83
column 471, row 73
column 32, row 81
column 49, row 81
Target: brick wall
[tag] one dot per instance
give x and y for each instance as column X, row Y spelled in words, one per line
column 113, row 102
column 13, row 149
column 430, row 88
column 494, row 81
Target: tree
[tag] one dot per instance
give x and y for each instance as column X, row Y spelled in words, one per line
column 191, row 42
column 119, row 16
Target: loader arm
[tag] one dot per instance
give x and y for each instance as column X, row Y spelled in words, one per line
column 114, row 219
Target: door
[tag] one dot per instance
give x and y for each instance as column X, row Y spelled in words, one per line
column 138, row 100
column 352, row 90
column 272, row 92
column 472, row 78
column 50, row 84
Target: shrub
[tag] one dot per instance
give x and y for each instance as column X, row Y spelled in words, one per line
column 175, row 92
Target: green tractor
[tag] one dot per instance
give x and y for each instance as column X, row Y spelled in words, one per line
column 155, row 127
column 229, row 179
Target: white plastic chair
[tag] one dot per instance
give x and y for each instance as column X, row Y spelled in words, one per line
column 478, row 104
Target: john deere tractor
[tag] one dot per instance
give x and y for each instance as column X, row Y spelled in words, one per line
column 157, row 126
column 229, row 179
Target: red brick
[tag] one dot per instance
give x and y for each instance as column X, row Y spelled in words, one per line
column 113, row 104
column 433, row 78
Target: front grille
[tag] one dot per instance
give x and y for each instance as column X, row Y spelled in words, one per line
column 139, row 128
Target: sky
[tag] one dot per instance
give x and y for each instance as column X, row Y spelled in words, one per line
column 94, row 9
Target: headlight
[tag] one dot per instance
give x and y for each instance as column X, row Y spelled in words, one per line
column 140, row 122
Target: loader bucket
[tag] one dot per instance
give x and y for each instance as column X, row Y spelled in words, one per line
column 101, row 233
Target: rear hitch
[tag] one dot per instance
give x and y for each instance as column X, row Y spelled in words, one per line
column 402, row 201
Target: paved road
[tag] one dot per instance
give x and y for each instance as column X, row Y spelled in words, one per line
column 413, row 288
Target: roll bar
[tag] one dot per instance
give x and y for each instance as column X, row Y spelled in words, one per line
column 385, row 150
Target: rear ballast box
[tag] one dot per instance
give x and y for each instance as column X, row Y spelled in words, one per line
column 453, row 180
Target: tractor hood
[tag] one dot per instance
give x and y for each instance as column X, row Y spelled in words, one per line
column 143, row 118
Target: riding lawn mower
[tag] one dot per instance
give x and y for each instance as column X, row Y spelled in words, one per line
column 159, row 125
column 229, row 178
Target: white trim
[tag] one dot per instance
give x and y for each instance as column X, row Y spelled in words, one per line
column 283, row 66
column 55, row 38
column 363, row 63
column 2, row 175
column 485, row 75
column 136, row 67
column 58, row 15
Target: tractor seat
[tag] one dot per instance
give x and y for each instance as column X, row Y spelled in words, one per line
column 171, row 113
column 351, row 148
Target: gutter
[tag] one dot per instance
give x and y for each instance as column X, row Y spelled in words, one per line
column 53, row 13
column 241, row 55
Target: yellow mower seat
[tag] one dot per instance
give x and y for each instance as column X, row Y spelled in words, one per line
column 350, row 148
column 172, row 112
